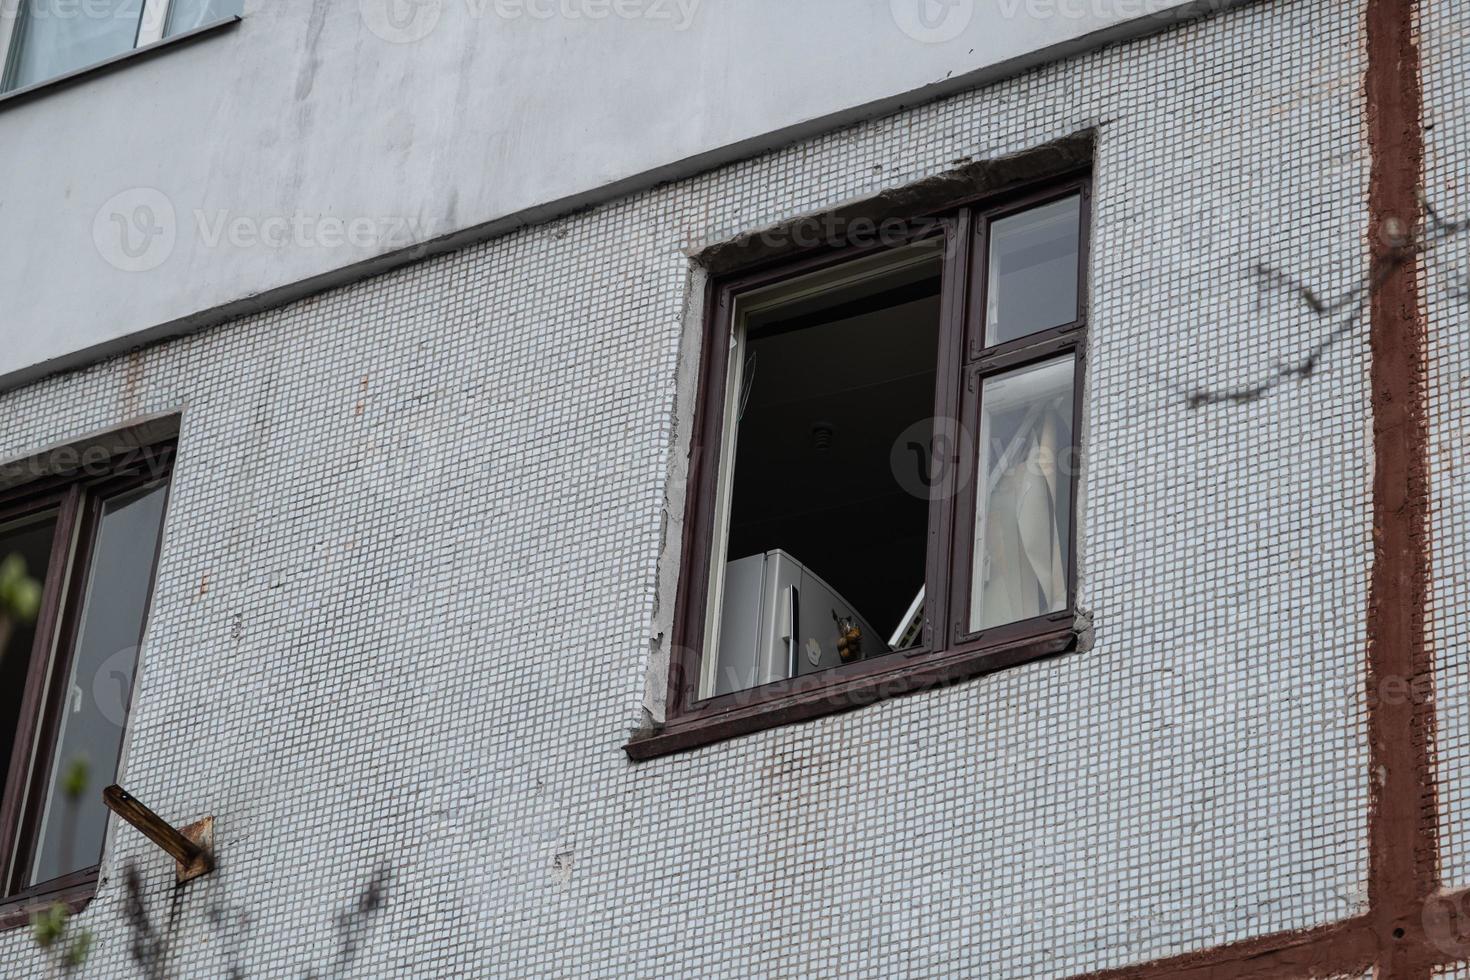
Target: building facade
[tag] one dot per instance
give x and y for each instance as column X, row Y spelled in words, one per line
column 421, row 580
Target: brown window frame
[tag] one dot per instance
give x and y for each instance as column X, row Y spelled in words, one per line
column 99, row 473
column 948, row 652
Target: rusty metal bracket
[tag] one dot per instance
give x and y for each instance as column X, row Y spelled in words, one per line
column 191, row 846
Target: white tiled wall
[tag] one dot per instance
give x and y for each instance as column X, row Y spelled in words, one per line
column 1444, row 38
column 403, row 611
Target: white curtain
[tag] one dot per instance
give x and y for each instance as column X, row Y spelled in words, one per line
column 1022, row 521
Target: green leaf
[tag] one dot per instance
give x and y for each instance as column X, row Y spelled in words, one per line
column 74, row 782
column 47, row 926
column 20, row 595
column 25, row 601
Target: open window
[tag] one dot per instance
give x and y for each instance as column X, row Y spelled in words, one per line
column 884, row 470
column 819, row 549
column 77, row 555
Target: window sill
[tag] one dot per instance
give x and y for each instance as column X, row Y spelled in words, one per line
column 8, row 99
column 904, row 678
column 75, row 892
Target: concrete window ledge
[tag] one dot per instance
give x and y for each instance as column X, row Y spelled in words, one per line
column 924, row 675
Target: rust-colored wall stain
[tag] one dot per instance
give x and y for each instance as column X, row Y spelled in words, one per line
column 1342, row 947
column 132, row 384
column 1403, row 852
column 1402, row 848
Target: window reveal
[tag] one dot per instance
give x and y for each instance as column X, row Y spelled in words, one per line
column 885, row 464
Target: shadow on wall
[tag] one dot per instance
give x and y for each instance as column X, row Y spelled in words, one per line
column 152, row 940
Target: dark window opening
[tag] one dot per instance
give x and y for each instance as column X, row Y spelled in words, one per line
column 26, row 544
column 825, row 397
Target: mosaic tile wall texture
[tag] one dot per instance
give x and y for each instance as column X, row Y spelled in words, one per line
column 1444, row 43
column 404, row 607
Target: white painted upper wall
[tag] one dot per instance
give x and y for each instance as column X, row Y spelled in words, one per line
column 316, row 137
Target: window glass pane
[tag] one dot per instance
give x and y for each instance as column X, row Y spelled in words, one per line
column 1033, row 271
column 100, row 686
column 25, row 554
column 827, row 536
column 53, row 37
column 1023, row 518
column 185, row 15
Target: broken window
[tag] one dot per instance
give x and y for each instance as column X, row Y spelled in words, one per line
column 885, row 463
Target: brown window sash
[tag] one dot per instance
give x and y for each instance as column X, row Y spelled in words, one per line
column 77, row 499
column 74, row 892
column 949, row 651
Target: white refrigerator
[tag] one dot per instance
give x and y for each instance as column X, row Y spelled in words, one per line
column 780, row 620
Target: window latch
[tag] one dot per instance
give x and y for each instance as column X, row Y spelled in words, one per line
column 191, row 846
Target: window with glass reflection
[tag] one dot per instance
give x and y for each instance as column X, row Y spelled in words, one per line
column 77, row 559
column 51, row 38
column 887, row 464
column 1016, row 518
